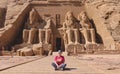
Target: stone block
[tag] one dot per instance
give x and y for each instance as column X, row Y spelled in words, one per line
column 38, row 49
column 25, row 52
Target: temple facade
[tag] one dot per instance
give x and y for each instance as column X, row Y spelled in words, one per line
column 59, row 26
column 49, row 26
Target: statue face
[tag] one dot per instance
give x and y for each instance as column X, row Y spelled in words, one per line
column 83, row 16
column 70, row 15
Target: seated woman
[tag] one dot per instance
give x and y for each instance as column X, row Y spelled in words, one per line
column 59, row 60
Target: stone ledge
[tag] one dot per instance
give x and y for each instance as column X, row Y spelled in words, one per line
column 63, row 53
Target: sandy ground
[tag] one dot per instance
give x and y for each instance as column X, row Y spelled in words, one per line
column 8, row 61
column 82, row 64
column 104, row 62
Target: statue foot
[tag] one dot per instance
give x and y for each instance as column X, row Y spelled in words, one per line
column 88, row 43
column 94, row 43
column 71, row 43
column 46, row 43
column 77, row 43
column 29, row 43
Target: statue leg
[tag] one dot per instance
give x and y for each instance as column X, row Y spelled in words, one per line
column 76, row 34
column 32, row 35
column 47, row 35
column 40, row 36
column 92, row 32
column 86, row 36
column 25, row 35
column 65, row 39
column 69, row 35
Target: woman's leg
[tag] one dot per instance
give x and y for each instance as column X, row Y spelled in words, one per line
column 62, row 66
column 54, row 65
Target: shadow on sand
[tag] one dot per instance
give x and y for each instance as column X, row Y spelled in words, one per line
column 69, row 69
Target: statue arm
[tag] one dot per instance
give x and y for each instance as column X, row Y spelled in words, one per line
column 64, row 25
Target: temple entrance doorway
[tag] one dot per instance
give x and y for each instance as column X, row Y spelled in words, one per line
column 58, row 44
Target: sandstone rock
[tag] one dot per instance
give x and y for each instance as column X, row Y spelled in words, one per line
column 109, row 9
column 25, row 52
column 2, row 16
column 38, row 49
column 12, row 11
column 107, row 12
column 3, row 6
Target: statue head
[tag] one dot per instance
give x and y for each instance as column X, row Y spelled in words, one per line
column 84, row 20
column 69, row 16
column 82, row 16
column 33, row 10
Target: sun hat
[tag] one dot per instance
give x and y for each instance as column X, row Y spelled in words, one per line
column 59, row 51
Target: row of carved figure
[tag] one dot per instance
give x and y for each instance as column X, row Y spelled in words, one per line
column 73, row 27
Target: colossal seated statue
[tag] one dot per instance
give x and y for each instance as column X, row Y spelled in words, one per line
column 87, row 30
column 34, row 24
column 84, row 21
column 71, row 26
